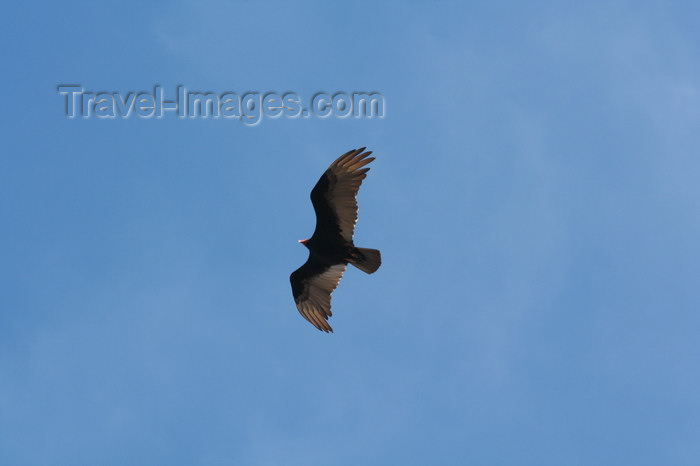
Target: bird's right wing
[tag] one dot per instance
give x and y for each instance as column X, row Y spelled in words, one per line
column 312, row 285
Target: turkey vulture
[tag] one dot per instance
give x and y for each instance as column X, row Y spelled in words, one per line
column 331, row 246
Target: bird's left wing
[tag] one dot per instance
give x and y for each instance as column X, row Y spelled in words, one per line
column 334, row 196
column 312, row 285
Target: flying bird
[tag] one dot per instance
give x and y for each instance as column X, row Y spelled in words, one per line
column 331, row 247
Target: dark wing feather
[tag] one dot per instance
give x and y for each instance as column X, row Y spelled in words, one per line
column 334, row 196
column 312, row 285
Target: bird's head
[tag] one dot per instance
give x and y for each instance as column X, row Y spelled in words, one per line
column 305, row 242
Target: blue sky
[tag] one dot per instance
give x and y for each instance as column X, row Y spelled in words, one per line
column 535, row 197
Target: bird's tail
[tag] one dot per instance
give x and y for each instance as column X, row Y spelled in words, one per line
column 365, row 259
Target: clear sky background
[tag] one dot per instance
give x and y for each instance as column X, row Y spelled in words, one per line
column 536, row 198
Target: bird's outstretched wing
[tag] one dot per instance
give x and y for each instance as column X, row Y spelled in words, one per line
column 334, row 196
column 312, row 285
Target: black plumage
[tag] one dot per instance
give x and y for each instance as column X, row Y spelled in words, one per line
column 331, row 247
